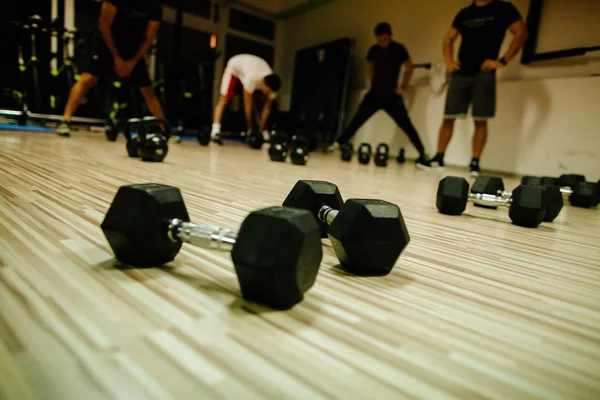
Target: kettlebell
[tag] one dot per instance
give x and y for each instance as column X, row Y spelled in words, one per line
column 381, row 155
column 153, row 148
column 299, row 154
column 132, row 139
column 347, row 151
column 278, row 151
column 255, row 140
column 364, row 153
column 401, row 159
column 111, row 129
column 203, row 136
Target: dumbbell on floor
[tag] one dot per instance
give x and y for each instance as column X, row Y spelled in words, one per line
column 494, row 185
column 367, row 236
column 276, row 253
column 527, row 206
column 581, row 193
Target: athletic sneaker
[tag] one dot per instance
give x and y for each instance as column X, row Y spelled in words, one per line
column 422, row 163
column 437, row 162
column 64, row 129
column 332, row 148
column 174, row 139
column 474, row 169
column 216, row 137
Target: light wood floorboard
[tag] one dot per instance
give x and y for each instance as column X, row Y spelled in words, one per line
column 475, row 307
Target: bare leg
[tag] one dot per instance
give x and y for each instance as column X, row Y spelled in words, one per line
column 479, row 138
column 152, row 101
column 78, row 92
column 446, row 131
column 219, row 108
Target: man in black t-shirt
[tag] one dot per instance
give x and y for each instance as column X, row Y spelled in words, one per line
column 127, row 29
column 483, row 26
column 385, row 60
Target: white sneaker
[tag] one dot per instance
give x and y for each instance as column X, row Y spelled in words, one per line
column 332, row 148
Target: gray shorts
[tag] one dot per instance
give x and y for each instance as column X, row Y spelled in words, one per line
column 464, row 90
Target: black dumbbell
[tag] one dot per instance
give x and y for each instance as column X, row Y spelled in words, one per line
column 382, row 153
column 527, row 206
column 364, row 153
column 494, row 185
column 111, row 129
column 401, row 159
column 347, row 151
column 299, row 154
column 581, row 193
column 367, row 236
column 276, row 253
column 255, row 140
column 487, row 185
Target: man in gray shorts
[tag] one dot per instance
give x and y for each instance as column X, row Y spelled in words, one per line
column 482, row 26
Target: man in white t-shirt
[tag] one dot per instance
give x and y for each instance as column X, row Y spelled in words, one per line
column 253, row 73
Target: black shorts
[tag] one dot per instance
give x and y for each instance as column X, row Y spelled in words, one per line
column 480, row 90
column 100, row 63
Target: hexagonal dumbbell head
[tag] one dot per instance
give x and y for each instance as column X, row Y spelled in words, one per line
column 555, row 202
column 277, row 256
column 531, row 180
column 488, row 185
column 137, row 222
column 368, row 236
column 528, row 206
column 584, row 195
column 452, row 195
column 550, row 181
column 570, row 180
column 311, row 195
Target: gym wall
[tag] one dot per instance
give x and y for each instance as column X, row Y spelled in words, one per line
column 546, row 122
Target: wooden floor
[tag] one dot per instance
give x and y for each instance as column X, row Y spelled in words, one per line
column 475, row 308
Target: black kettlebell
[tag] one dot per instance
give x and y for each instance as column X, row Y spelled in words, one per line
column 278, row 151
column 153, row 136
column 111, row 129
column 347, row 151
column 299, row 154
column 204, row 136
column 153, row 147
column 255, row 140
column 401, row 158
column 364, row 153
column 382, row 154
column 132, row 139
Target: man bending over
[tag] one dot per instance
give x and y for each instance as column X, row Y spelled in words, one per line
column 253, row 73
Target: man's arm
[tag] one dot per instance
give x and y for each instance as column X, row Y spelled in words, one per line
column 107, row 16
column 248, row 109
column 265, row 114
column 151, row 32
column 519, row 30
column 449, row 40
column 370, row 71
column 409, row 68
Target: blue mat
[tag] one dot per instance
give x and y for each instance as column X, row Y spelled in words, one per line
column 28, row 128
